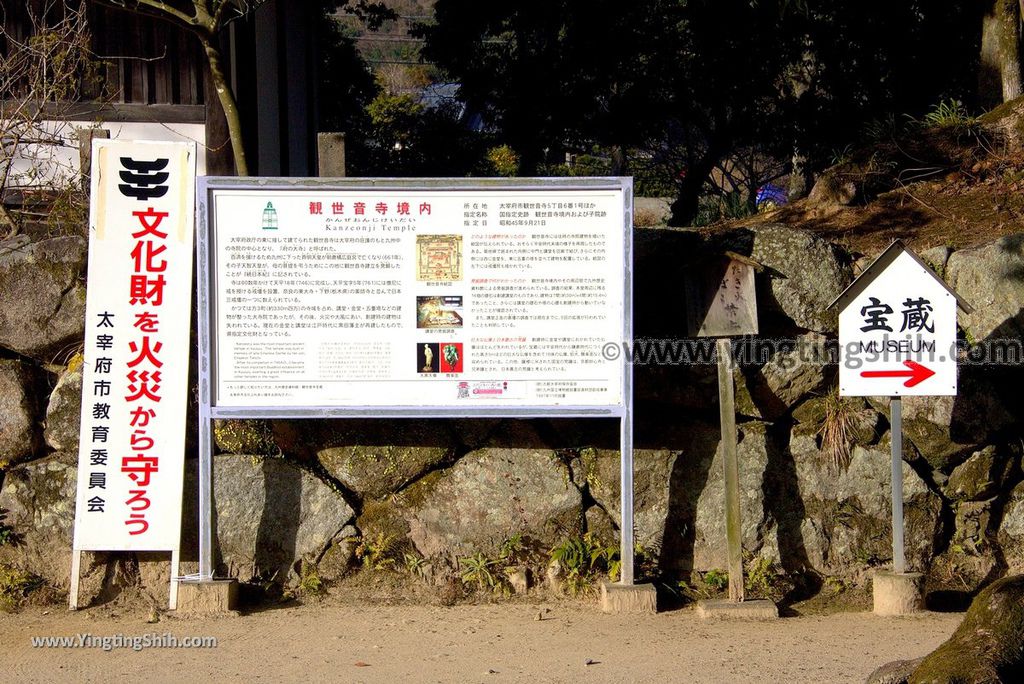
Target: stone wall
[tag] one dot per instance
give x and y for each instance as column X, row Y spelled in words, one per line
column 293, row 492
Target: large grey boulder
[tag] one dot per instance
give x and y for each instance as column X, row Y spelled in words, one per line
column 39, row 498
column 695, row 536
column 42, row 312
column 846, row 514
column 1011, row 530
column 791, row 375
column 269, row 515
column 19, row 426
column 64, row 410
column 803, row 274
column 488, row 496
column 947, row 430
column 991, row 279
column 970, row 559
column 599, row 471
column 988, row 646
column 979, row 477
column 383, row 457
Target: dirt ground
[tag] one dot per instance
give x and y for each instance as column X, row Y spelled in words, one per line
column 330, row 641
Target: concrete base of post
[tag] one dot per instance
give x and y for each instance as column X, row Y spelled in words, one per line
column 209, row 597
column 628, row 598
column 723, row 609
column 898, row 593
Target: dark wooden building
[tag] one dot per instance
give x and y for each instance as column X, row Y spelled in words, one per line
column 154, row 72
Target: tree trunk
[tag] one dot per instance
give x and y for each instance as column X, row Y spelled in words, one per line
column 999, row 70
column 800, row 180
column 618, row 159
column 227, row 103
column 684, row 208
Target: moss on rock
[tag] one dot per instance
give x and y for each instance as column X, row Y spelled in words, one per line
column 988, row 646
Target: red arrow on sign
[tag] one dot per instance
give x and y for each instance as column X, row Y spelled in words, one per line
column 915, row 375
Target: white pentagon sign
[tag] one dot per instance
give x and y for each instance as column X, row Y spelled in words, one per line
column 897, row 330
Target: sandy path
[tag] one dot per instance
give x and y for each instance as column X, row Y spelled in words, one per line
column 472, row 644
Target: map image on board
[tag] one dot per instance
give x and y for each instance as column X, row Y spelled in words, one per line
column 439, row 312
column 439, row 258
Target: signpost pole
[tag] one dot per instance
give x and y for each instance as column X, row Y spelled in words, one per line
column 727, row 406
column 205, row 477
column 626, row 479
column 76, row 573
column 899, row 564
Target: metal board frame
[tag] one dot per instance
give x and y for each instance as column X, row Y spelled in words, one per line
column 206, row 249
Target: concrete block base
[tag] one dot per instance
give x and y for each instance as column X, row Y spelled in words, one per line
column 210, row 597
column 898, row 593
column 628, row 598
column 723, row 609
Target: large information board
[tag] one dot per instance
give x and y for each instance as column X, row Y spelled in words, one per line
column 442, row 297
column 404, row 298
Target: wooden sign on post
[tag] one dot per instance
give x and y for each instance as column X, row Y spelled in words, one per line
column 721, row 302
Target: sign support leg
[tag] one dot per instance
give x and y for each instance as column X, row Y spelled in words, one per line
column 626, row 480
column 76, row 571
column 172, row 603
column 205, row 477
column 727, row 410
column 899, row 564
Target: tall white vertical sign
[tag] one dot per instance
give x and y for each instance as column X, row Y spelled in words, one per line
column 135, row 368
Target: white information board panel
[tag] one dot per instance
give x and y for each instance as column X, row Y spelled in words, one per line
column 897, row 336
column 446, row 295
column 135, row 366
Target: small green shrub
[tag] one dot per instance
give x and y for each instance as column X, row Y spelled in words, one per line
column 8, row 537
column 379, row 551
column 841, row 156
column 835, row 585
column 415, row 565
column 881, row 130
column 15, row 587
column 761, row 576
column 716, row 580
column 503, row 161
column 482, row 572
column 310, row 582
column 950, row 114
column 584, row 559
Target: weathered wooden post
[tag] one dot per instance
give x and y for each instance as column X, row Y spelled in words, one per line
column 330, row 149
column 721, row 303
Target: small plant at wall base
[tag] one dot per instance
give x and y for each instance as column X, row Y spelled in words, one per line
column 763, row 580
column 8, row 537
column 15, row 587
column 715, row 580
column 379, row 551
column 584, row 559
column 310, row 582
column 415, row 565
column 481, row 572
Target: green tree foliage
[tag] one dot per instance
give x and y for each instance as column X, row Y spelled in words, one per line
column 404, row 137
column 345, row 84
column 687, row 83
column 547, row 74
